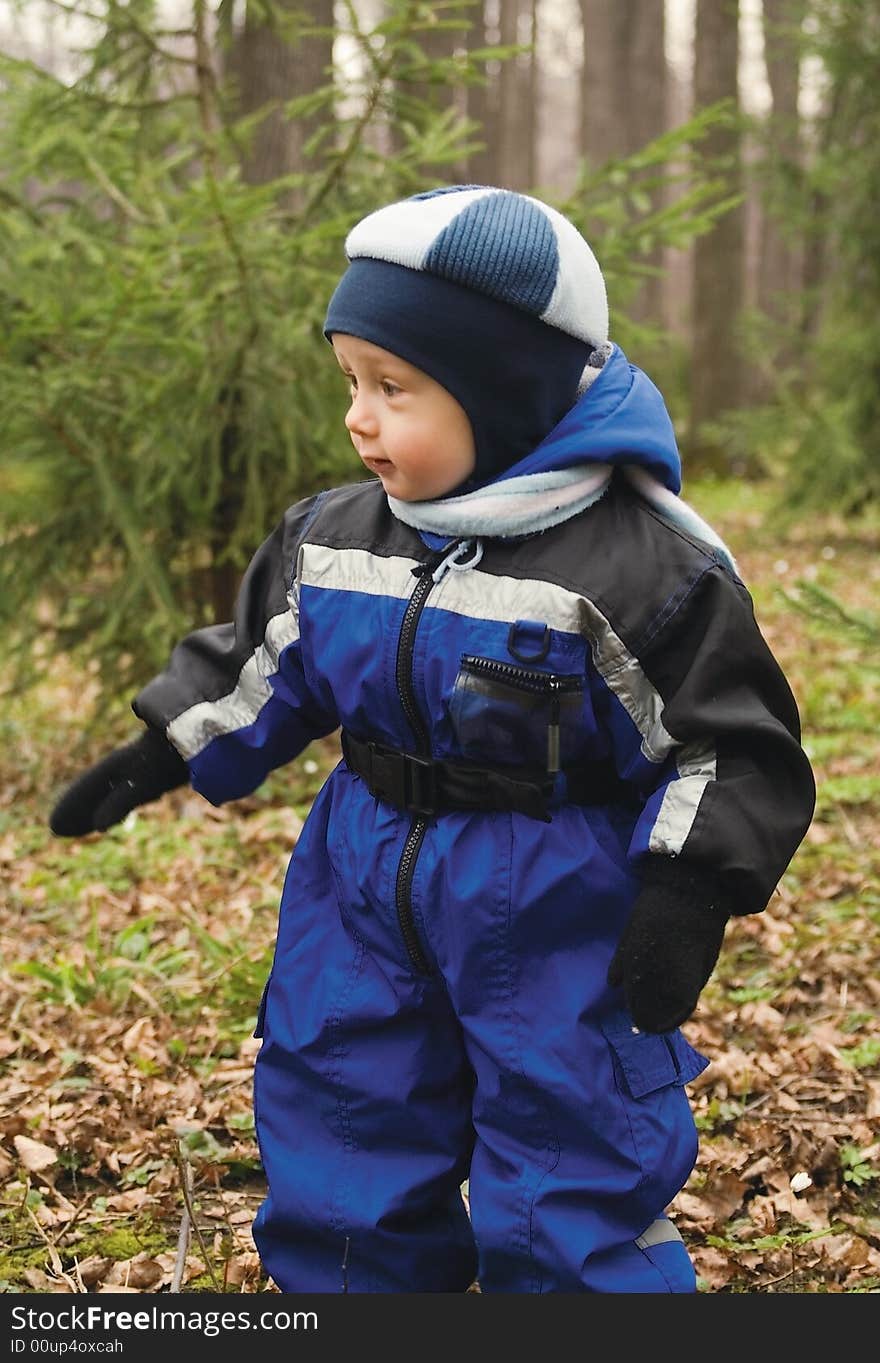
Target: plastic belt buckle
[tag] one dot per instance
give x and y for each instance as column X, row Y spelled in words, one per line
column 407, row 782
column 386, row 779
column 533, row 798
column 421, row 785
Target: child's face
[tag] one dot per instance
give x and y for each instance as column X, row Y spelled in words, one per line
column 406, row 428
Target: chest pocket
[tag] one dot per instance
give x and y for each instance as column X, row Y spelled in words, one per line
column 515, row 715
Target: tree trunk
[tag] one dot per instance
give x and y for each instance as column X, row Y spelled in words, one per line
column 623, row 100
column 678, row 260
column 516, row 120
column 530, row 103
column 267, row 68
column 780, row 261
column 481, row 101
column 645, row 91
column 816, row 263
column 606, row 43
column 716, row 363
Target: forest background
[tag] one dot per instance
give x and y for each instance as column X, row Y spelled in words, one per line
column 176, row 181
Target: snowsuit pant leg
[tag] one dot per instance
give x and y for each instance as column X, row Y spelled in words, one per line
column 362, row 1098
column 584, row 1132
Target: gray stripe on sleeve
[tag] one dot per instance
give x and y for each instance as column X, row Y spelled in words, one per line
column 193, row 730
column 678, row 809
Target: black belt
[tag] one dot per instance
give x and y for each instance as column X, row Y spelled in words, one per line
column 420, row 785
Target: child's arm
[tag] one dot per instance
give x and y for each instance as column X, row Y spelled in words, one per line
column 731, row 799
column 232, row 704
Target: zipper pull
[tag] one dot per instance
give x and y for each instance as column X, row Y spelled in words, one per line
column 452, row 552
column 437, row 557
column 553, row 726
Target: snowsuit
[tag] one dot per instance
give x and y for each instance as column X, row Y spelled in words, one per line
column 437, row 1007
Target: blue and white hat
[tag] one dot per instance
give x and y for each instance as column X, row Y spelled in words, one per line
column 493, row 293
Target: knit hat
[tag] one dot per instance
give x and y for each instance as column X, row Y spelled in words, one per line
column 493, row 293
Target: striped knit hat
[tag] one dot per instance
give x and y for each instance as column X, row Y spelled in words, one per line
column 494, row 294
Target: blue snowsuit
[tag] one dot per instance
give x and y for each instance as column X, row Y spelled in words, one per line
column 437, row 1008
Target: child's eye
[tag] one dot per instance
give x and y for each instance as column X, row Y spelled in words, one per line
column 389, row 388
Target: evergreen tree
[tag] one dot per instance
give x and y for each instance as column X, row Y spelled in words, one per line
column 165, row 387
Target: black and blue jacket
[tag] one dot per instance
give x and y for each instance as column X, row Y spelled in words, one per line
column 644, row 641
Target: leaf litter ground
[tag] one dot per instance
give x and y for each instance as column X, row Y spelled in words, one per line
column 132, row 965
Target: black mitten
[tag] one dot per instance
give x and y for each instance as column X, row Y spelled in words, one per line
column 669, row 947
column 125, row 778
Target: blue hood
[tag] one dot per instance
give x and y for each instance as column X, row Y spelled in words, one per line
column 620, row 419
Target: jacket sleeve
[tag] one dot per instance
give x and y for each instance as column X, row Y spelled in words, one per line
column 234, row 699
column 732, row 791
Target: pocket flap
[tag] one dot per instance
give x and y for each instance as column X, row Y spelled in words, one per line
column 651, row 1060
column 689, row 1060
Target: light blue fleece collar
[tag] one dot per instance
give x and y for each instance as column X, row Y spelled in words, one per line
column 534, row 502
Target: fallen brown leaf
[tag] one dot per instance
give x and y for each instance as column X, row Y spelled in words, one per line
column 34, row 1156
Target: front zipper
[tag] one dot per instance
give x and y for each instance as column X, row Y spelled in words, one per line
column 406, row 691
column 538, row 683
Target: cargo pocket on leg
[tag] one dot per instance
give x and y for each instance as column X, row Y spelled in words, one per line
column 651, row 1070
column 651, row 1060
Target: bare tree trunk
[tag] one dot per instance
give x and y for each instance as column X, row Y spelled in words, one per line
column 773, row 258
column 264, row 69
column 678, row 260
column 645, row 90
column 482, row 100
column 557, row 73
column 267, row 69
column 816, row 263
column 516, row 121
column 530, row 103
column 606, row 43
column 718, row 255
column 781, row 263
column 623, row 99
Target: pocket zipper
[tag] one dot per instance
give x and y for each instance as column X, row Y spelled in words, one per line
column 539, row 683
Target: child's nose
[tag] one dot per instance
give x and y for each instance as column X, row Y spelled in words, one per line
column 360, row 417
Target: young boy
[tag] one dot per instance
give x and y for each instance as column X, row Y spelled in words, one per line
column 568, row 758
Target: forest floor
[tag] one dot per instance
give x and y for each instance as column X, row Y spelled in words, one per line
column 131, row 965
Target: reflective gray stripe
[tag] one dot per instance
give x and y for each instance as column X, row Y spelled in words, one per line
column 642, row 703
column 697, row 767
column 193, row 730
column 355, row 570
column 659, row 1232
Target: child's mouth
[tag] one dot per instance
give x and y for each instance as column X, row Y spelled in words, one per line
column 379, row 465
